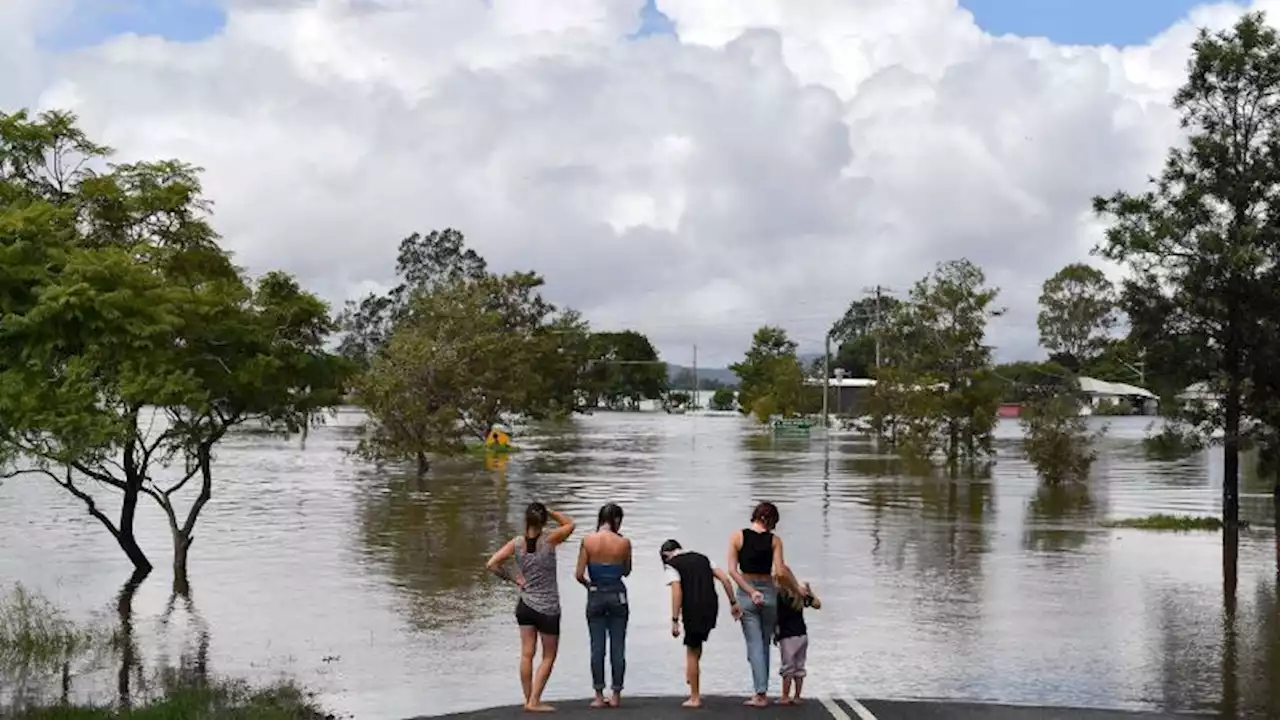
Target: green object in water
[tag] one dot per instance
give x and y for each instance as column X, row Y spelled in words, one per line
column 791, row 426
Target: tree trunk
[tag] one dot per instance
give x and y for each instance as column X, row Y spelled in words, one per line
column 126, row 537
column 1231, row 426
column 424, row 464
column 181, row 549
column 129, row 662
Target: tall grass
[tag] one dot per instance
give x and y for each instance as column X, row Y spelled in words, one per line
column 36, row 634
column 222, row 701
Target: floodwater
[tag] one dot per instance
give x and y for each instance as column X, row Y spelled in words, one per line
column 368, row 587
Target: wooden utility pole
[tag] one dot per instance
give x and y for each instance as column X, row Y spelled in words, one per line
column 879, row 324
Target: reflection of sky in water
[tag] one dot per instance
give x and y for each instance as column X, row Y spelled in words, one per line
column 370, row 588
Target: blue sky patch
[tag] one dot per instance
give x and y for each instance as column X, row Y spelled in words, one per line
column 1085, row 22
column 94, row 21
column 654, row 22
column 1080, row 22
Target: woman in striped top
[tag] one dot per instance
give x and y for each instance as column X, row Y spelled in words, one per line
column 538, row 610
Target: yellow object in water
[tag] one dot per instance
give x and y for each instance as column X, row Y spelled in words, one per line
column 498, row 437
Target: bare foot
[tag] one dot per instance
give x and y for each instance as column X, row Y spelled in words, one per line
column 757, row 701
column 784, row 701
column 615, row 701
column 539, row 708
column 692, row 703
column 599, row 703
column 797, row 700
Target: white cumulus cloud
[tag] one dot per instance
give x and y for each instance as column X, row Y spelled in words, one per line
column 765, row 166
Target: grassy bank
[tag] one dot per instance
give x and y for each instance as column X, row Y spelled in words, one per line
column 1171, row 523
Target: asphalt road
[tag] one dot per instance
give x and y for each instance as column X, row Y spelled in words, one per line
column 668, row 708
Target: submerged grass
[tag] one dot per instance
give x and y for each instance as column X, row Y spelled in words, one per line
column 36, row 633
column 1174, row 523
column 219, row 701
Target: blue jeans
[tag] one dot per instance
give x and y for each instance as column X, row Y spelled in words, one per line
column 758, row 622
column 607, row 614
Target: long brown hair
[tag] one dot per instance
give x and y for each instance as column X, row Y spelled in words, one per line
column 535, row 518
column 766, row 513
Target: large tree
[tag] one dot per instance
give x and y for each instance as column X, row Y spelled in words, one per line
column 937, row 383
column 464, row 354
column 772, row 376
column 422, row 262
column 130, row 344
column 1077, row 314
column 856, row 336
column 1204, row 236
column 624, row 368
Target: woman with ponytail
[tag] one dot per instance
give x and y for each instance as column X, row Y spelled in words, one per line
column 606, row 556
column 538, row 610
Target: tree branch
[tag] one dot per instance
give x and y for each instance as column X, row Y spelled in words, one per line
column 67, row 484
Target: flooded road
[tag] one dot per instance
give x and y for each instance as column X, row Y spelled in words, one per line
column 369, row 587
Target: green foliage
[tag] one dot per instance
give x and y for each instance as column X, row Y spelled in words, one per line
column 1202, row 242
column 120, row 308
column 1176, row 439
column 227, row 700
column 723, row 400
column 35, row 633
column 772, row 377
column 855, row 334
column 465, row 353
column 936, row 392
column 1057, row 440
column 624, row 369
column 1025, row 381
column 1077, row 312
column 1174, row 523
column 422, row 262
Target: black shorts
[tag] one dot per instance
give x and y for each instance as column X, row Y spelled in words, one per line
column 545, row 624
column 695, row 638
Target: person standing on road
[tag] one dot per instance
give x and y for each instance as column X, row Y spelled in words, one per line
column 792, row 635
column 606, row 555
column 755, row 557
column 538, row 610
column 692, row 578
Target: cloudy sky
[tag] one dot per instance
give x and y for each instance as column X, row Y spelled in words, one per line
column 688, row 168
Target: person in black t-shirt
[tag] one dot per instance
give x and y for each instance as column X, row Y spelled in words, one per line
column 792, row 635
column 692, row 578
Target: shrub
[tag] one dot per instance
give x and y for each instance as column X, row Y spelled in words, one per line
column 1057, row 439
column 1176, row 439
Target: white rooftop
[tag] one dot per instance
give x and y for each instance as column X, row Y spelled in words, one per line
column 1094, row 386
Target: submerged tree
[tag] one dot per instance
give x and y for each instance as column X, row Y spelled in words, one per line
column 1204, row 237
column 467, row 352
column 121, row 310
column 772, row 376
column 1057, row 440
column 936, row 391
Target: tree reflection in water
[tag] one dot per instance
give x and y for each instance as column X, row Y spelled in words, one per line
column 1059, row 517
column 114, row 650
column 433, row 534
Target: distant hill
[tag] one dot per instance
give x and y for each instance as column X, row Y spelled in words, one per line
column 723, row 375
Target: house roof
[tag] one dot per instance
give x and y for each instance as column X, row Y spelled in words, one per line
column 1094, row 386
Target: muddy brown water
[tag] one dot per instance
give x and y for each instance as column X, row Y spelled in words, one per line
column 368, row 587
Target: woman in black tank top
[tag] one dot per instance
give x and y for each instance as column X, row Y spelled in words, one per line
column 755, row 558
